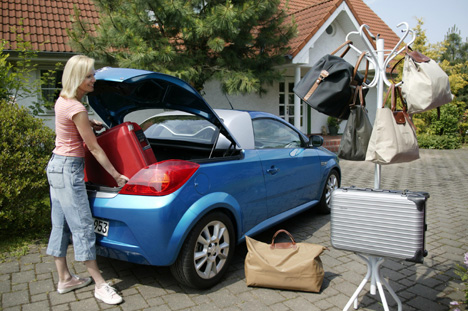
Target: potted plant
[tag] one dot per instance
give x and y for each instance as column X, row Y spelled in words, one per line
column 333, row 125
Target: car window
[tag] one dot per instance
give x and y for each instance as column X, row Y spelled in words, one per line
column 271, row 133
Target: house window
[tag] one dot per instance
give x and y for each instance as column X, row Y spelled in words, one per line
column 52, row 86
column 286, row 101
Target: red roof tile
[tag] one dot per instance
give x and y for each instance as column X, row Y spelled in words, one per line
column 309, row 17
column 41, row 21
column 40, row 17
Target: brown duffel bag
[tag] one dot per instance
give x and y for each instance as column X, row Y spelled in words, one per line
column 291, row 265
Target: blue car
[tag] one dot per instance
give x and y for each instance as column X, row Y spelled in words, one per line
column 211, row 177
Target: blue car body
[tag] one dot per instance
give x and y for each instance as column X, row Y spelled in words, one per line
column 257, row 187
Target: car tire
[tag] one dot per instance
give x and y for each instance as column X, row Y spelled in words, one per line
column 333, row 182
column 206, row 253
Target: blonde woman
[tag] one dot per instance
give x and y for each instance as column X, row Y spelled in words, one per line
column 71, row 214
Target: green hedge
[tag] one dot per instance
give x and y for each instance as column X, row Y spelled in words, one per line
column 25, row 148
column 428, row 141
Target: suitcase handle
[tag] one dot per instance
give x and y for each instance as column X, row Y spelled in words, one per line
column 291, row 244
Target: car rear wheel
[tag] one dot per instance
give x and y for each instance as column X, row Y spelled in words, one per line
column 333, row 182
column 206, row 253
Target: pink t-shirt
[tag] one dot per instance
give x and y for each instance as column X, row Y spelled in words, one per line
column 68, row 141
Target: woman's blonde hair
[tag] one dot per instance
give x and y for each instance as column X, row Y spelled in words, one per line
column 74, row 73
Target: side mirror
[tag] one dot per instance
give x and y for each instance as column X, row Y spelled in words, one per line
column 315, row 141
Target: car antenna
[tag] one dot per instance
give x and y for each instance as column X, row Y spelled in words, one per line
column 229, row 101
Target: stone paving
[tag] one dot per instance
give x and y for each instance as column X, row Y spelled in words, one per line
column 29, row 282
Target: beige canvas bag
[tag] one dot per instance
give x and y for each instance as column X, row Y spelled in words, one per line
column 292, row 266
column 393, row 138
column 425, row 85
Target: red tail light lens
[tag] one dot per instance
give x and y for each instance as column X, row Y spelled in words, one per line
column 160, row 178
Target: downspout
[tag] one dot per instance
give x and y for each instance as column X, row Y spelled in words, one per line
column 297, row 100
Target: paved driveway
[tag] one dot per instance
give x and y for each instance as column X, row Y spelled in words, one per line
column 28, row 283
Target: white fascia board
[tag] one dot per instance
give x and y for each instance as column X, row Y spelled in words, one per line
column 303, row 57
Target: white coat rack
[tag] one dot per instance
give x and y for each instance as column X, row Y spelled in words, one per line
column 380, row 60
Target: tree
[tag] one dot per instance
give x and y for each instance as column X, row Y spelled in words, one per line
column 455, row 55
column 456, row 51
column 14, row 78
column 238, row 42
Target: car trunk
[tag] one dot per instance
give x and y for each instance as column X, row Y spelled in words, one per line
column 129, row 151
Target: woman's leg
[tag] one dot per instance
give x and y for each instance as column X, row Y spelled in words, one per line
column 62, row 269
column 94, row 271
column 66, row 210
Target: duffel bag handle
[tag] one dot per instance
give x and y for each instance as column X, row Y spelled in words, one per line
column 356, row 67
column 341, row 46
column 291, row 244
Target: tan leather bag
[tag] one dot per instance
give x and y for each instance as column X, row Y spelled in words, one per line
column 292, row 266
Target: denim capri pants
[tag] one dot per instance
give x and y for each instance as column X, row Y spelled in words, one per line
column 71, row 214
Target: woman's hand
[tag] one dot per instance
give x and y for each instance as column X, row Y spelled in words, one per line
column 96, row 125
column 121, row 180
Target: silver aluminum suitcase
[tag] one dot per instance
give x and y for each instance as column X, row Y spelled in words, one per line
column 382, row 223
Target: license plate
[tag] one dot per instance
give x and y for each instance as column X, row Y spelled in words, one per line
column 101, row 227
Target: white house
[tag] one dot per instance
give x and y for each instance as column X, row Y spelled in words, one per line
column 322, row 26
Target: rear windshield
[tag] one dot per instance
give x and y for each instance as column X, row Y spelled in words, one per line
column 180, row 127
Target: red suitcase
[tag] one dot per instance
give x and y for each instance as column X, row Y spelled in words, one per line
column 126, row 147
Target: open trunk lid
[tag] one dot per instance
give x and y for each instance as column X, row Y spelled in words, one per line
column 120, row 91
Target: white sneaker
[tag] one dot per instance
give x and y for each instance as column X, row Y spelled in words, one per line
column 74, row 283
column 107, row 294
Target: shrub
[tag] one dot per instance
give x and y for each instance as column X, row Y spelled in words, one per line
column 428, row 141
column 462, row 272
column 444, row 132
column 25, row 148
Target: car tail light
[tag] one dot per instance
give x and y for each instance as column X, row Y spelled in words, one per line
column 161, row 178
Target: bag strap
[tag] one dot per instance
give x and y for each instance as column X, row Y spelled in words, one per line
column 347, row 43
column 400, row 116
column 358, row 62
column 399, row 61
column 393, row 91
column 403, row 102
column 417, row 56
column 291, row 244
column 405, row 107
column 358, row 92
column 393, row 68
column 389, row 91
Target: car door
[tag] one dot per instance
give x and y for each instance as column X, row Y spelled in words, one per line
column 291, row 170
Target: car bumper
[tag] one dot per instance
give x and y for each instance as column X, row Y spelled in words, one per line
column 141, row 228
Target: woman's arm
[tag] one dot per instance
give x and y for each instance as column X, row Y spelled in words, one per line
column 83, row 125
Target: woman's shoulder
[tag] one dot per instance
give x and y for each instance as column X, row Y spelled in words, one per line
column 68, row 107
column 69, row 103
